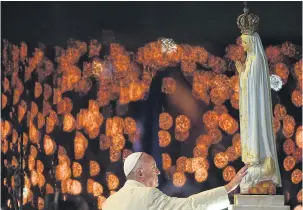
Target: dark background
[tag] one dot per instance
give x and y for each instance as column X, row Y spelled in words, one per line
column 212, row 24
column 133, row 24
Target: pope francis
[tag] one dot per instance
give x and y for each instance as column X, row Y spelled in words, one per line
column 140, row 192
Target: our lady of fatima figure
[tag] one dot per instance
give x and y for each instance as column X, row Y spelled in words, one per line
column 255, row 105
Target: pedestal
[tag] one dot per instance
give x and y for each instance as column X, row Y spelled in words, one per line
column 258, row 202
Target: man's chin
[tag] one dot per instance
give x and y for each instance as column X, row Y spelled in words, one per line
column 156, row 184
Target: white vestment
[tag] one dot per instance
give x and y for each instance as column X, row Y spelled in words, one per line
column 256, row 124
column 135, row 196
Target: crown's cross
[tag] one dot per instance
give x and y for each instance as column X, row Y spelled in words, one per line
column 248, row 22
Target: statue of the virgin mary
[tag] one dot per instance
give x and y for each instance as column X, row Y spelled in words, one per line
column 255, row 105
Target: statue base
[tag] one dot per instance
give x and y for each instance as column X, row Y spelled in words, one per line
column 258, row 202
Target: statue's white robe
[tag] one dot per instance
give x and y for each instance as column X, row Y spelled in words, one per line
column 256, row 124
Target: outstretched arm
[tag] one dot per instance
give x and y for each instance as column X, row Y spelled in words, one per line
column 216, row 199
column 211, row 199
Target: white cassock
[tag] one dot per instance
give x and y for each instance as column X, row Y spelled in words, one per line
column 135, row 196
column 257, row 135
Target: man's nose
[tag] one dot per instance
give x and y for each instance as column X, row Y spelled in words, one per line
column 158, row 172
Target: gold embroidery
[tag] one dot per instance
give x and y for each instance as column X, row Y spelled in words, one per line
column 269, row 166
column 248, row 156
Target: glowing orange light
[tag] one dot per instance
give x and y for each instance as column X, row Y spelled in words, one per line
column 189, row 167
column 49, row 189
column 181, row 163
column 101, row 200
column 80, row 145
column 200, row 150
column 289, row 147
column 114, row 126
column 168, row 85
column 296, row 176
column 210, row 119
column 34, row 134
column 4, row 101
column 166, row 161
column 97, row 189
column 41, row 180
column 282, row 71
column 22, row 107
column 204, row 140
column 114, row 154
column 164, row 138
column 63, row 172
column 38, row 89
column 34, row 177
column 94, row 168
column 75, row 188
column 215, row 135
column 229, row 173
column 89, row 186
column 181, row 136
column 201, row 175
column 179, row 179
column 69, row 123
column 298, row 155
column 41, row 120
column 165, row 121
column 136, row 91
column 182, row 123
column 221, row 160
column 289, row 163
column 40, row 166
column 299, row 137
column 49, row 145
column 51, row 121
column 288, row 126
column 104, row 142
column 231, row 154
column 6, row 129
column 118, row 142
column 228, row 124
column 112, row 181
column 280, row 111
column 299, row 196
column 129, row 125
column 77, row 169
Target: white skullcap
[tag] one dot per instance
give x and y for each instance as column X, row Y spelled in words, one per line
column 130, row 162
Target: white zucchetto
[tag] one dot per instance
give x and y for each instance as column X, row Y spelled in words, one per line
column 130, row 162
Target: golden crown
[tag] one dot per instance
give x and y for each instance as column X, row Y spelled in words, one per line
column 248, row 22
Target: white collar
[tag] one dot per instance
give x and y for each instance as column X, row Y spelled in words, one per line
column 134, row 183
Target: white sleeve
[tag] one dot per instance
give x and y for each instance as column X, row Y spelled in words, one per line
column 211, row 199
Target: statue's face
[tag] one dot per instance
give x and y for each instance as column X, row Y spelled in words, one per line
column 245, row 43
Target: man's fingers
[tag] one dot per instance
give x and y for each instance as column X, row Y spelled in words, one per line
column 243, row 170
column 243, row 174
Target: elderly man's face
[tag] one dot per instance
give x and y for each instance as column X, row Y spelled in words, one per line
column 150, row 171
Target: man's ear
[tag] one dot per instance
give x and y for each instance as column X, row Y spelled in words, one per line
column 139, row 172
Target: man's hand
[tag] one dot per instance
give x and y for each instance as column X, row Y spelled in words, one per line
column 233, row 184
